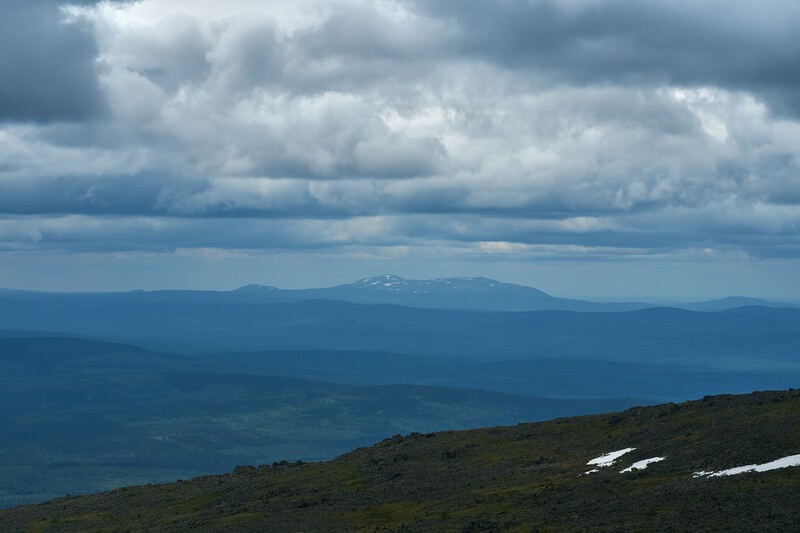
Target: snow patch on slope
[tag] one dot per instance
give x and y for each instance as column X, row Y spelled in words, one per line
column 391, row 282
column 607, row 459
column 784, row 462
column 641, row 465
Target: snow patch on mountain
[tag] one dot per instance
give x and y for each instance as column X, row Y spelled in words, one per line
column 391, row 282
column 641, row 465
column 255, row 287
column 607, row 459
column 610, row 458
column 784, row 462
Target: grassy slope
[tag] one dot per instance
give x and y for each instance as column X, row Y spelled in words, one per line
column 508, row 478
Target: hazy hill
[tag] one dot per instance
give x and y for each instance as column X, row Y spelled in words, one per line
column 79, row 415
column 732, row 302
column 754, row 338
column 554, row 378
column 519, row 478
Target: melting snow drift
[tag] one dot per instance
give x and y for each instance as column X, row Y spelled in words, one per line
column 607, row 459
column 641, row 465
column 792, row 460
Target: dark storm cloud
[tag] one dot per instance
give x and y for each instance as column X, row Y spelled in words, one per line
column 47, row 66
column 736, row 45
column 120, row 195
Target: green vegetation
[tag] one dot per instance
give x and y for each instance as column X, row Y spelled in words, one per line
column 518, row 478
column 82, row 416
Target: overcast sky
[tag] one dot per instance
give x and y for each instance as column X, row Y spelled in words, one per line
column 598, row 148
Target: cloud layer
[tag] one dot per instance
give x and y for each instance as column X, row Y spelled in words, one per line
column 47, row 67
column 581, row 129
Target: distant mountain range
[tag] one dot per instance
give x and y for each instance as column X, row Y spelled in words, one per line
column 205, row 321
column 472, row 293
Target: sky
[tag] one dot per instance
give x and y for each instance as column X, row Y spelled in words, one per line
column 595, row 148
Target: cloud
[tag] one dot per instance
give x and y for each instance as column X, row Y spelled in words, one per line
column 48, row 70
column 502, row 129
column 735, row 45
column 169, row 54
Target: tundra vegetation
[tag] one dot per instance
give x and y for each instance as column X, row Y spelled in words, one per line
column 529, row 476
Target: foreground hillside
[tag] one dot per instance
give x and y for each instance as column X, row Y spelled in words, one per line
column 506, row 478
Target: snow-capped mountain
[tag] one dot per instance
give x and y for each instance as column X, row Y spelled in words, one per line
column 256, row 288
column 390, row 282
column 457, row 293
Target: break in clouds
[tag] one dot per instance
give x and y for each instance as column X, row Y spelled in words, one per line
column 576, row 128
